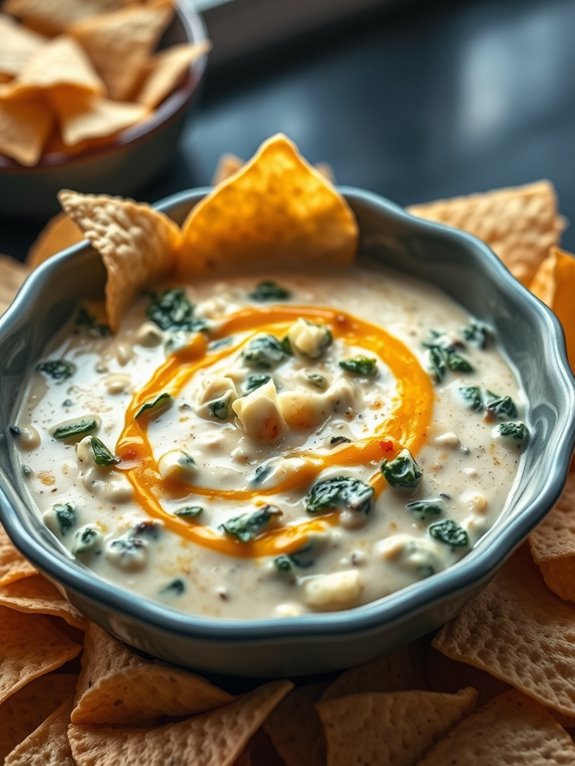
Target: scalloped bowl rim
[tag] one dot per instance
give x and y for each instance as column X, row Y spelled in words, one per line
column 476, row 567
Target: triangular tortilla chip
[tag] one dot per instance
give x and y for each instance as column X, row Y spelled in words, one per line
column 94, row 117
column 396, row 728
column 48, row 745
column 24, row 128
column 31, row 646
column 21, row 713
column 13, row 566
column 216, row 738
column 165, row 70
column 295, row 729
column 512, row 729
column 519, row 224
column 553, row 544
column 52, row 16
column 447, row 675
column 36, row 595
column 137, row 244
column 117, row 687
column 519, row 632
column 276, row 210
column 59, row 233
column 120, row 43
column 18, row 45
column 228, row 164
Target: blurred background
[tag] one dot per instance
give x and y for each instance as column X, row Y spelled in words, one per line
column 414, row 100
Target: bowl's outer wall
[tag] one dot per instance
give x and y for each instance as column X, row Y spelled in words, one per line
column 312, row 643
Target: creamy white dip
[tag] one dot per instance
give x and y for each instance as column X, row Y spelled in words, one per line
column 291, row 456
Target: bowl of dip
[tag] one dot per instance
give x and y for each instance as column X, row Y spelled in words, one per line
column 408, row 394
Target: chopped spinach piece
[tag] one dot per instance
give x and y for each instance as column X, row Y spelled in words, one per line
column 425, row 509
column 249, row 525
column 219, row 408
column 448, row 532
column 500, row 407
column 301, row 558
column 458, row 363
column 15, row 431
column 89, row 325
column 189, row 512
column 65, row 516
column 126, row 548
column 340, row 492
column 75, row 430
column 442, row 355
column 473, row 397
column 286, row 345
column 67, row 403
column 402, row 471
column 477, row 334
column 359, row 365
column 336, row 440
column 269, row 291
column 284, row 563
column 86, row 541
column 264, row 353
column 177, row 587
column 317, row 380
column 255, row 381
column 261, row 474
column 155, row 406
column 436, row 363
column 173, row 310
column 517, row 431
column 102, row 455
column 57, row 369
column 443, row 340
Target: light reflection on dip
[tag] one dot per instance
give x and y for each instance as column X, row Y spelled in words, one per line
column 301, row 452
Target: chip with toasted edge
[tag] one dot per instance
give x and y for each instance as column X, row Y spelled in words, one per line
column 13, row 566
column 59, row 233
column 53, row 16
column 216, row 738
column 21, row 713
column 48, row 745
column 295, row 729
column 93, row 117
column 511, row 729
column 165, row 70
column 399, row 670
column 31, row 645
column 228, row 164
column 117, row 687
column 554, row 283
column 137, row 243
column 120, row 43
column 36, row 595
column 518, row 631
column 278, row 209
column 553, row 544
column 24, row 128
column 60, row 64
column 520, row 224
column 18, row 45
column 382, row 728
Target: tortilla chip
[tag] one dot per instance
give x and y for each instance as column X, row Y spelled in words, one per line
column 62, row 65
column 512, row 729
column 389, row 728
column 59, row 233
column 120, row 43
column 31, row 646
column 21, row 713
column 165, row 70
column 52, row 16
column 137, row 244
column 18, row 45
column 446, row 675
column 276, row 209
column 295, row 729
column 117, row 687
column 519, row 224
column 554, row 283
column 518, row 631
column 216, row 738
column 94, row 117
column 36, row 595
column 553, row 544
column 24, row 128
column 396, row 671
column 12, row 274
column 13, row 566
column 228, row 164
column 48, row 745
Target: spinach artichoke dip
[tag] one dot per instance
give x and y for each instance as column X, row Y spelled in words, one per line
column 250, row 449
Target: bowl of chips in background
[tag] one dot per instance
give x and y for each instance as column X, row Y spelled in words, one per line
column 93, row 96
column 309, row 643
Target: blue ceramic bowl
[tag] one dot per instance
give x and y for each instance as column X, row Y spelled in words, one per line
column 456, row 262
column 121, row 166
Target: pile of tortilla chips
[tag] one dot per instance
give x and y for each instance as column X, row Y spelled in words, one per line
column 76, row 73
column 496, row 685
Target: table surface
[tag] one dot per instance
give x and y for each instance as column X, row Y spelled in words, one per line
column 417, row 103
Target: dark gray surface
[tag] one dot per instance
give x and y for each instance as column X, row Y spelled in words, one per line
column 427, row 101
